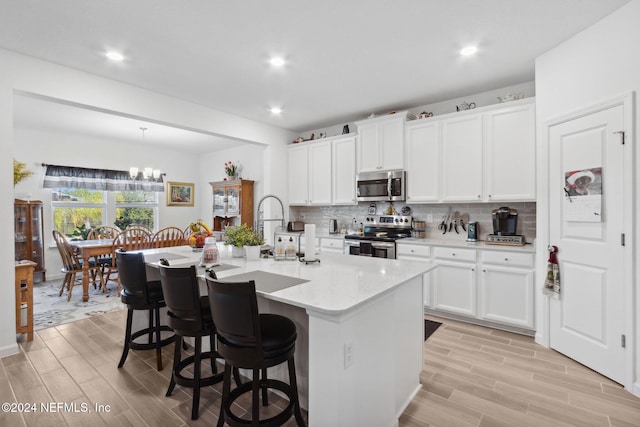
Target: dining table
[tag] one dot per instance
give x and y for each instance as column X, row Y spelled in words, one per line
column 88, row 249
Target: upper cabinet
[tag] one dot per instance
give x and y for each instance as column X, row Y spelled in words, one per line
column 510, row 153
column 310, row 173
column 482, row 155
column 380, row 142
column 29, row 233
column 344, row 170
column 232, row 203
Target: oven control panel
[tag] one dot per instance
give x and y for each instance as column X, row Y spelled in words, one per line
column 389, row 220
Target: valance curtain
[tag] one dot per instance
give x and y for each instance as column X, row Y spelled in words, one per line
column 97, row 179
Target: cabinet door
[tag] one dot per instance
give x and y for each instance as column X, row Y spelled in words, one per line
column 233, row 200
column 368, row 148
column 454, row 288
column 344, row 171
column 507, row 295
column 329, row 245
column 298, row 175
column 219, row 201
column 422, row 147
column 391, row 134
column 37, row 240
column 510, row 153
column 462, row 159
column 21, row 232
column 319, row 161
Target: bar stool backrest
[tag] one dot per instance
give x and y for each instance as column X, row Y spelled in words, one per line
column 182, row 296
column 133, row 277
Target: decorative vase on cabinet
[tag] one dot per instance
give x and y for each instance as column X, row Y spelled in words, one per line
column 29, row 233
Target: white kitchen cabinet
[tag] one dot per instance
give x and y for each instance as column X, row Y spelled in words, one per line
column 380, row 143
column 454, row 281
column 332, row 245
column 310, row 173
column 507, row 288
column 462, row 158
column 422, row 154
column 344, row 171
column 510, row 153
column 420, row 253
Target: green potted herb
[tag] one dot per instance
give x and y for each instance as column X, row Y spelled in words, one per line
column 242, row 236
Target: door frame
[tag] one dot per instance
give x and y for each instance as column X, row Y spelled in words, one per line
column 543, row 327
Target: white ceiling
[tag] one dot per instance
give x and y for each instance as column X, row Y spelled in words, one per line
column 345, row 59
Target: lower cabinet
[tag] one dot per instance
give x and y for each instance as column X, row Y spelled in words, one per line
column 454, row 281
column 332, row 245
column 485, row 285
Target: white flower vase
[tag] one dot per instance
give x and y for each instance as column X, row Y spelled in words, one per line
column 253, row 253
column 237, row 252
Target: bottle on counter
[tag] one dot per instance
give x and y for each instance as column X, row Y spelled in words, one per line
column 290, row 251
column 210, row 254
column 279, row 250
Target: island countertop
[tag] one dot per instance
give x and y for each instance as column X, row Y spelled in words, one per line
column 337, row 284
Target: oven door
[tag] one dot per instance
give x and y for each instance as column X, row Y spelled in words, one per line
column 352, row 247
column 378, row 249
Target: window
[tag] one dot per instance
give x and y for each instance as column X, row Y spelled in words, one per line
column 76, row 209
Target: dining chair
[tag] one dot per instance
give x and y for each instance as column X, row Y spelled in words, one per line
column 249, row 340
column 168, row 236
column 129, row 239
column 71, row 264
column 102, row 232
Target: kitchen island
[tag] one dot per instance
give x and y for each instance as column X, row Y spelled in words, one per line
column 360, row 329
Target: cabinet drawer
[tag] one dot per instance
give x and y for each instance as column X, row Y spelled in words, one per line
column 455, row 254
column 328, row 243
column 421, row 251
column 514, row 259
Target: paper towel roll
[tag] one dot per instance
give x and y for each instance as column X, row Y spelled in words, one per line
column 310, row 242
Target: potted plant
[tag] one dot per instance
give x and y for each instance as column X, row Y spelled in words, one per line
column 243, row 236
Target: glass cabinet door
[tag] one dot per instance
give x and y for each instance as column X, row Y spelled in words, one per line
column 37, row 247
column 218, row 200
column 21, row 232
column 233, row 201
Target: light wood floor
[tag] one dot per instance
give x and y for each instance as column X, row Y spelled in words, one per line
column 476, row 376
column 473, row 376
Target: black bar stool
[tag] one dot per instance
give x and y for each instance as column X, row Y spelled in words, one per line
column 140, row 294
column 253, row 341
column 189, row 316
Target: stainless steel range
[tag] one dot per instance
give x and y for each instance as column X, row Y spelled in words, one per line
column 379, row 236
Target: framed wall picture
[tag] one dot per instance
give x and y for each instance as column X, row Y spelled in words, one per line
column 180, row 193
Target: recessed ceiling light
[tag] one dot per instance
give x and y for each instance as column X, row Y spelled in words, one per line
column 277, row 61
column 469, row 50
column 115, row 56
column 276, row 110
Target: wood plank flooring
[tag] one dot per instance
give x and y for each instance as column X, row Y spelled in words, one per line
column 472, row 376
column 481, row 377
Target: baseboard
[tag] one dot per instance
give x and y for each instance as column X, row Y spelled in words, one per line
column 9, row 350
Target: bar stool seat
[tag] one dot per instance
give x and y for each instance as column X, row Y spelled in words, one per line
column 248, row 340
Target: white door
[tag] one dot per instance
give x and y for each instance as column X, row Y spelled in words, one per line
column 587, row 321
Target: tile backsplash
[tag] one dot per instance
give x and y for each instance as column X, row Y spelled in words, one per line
column 480, row 212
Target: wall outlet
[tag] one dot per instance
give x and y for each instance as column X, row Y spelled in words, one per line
column 429, row 217
column 348, row 354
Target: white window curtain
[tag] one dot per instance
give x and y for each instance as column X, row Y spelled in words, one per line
column 97, row 179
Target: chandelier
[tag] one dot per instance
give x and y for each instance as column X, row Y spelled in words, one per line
column 147, row 173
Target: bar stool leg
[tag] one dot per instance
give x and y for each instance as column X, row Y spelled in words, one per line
column 294, row 384
column 127, row 338
column 158, row 343
column 177, row 357
column 255, row 398
column 226, row 389
column 265, row 399
column 196, row 379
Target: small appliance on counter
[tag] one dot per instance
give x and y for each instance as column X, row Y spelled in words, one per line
column 505, row 223
column 472, row 232
column 333, row 226
column 296, row 226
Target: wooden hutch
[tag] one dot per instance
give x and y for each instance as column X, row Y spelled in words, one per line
column 29, row 233
column 232, row 203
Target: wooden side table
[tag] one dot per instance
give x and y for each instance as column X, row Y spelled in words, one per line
column 24, row 295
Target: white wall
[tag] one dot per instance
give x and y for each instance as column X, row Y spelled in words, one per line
column 26, row 74
column 597, row 64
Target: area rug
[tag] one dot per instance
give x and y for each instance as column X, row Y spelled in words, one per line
column 49, row 309
column 430, row 327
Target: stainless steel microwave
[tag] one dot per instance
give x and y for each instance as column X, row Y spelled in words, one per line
column 381, row 186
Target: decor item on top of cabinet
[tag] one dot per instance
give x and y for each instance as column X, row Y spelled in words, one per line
column 232, row 170
column 466, row 106
column 20, row 172
column 425, row 115
column 513, row 96
column 345, row 129
column 180, row 193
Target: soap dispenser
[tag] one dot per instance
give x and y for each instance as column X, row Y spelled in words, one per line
column 290, row 251
column 279, row 250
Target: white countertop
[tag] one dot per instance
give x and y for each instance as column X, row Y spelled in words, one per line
column 337, row 284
